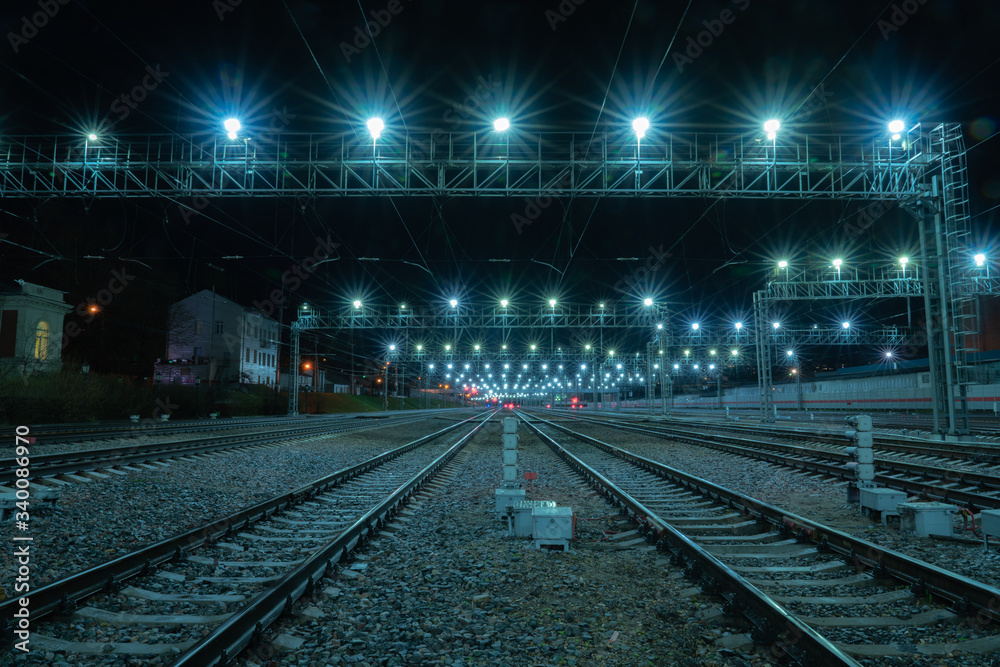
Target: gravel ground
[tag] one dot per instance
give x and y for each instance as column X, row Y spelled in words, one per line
column 95, row 521
column 448, row 586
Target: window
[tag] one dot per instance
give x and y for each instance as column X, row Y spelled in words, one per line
column 199, row 327
column 248, row 355
column 218, row 326
column 42, row 341
column 255, row 356
column 197, row 352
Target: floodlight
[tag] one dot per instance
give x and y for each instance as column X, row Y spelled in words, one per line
column 419, row 348
column 601, row 305
column 392, row 348
column 738, row 325
column 734, row 352
column 447, row 347
column 903, row 261
column 783, row 264
column 504, row 303
column 232, row 126
column 647, row 301
column 888, row 355
column 695, row 326
column 659, row 326
column 771, row 127
column 533, row 347
column 845, row 324
column 790, row 353
column 501, row 124
column 375, row 126
column 711, row 367
column 979, row 258
column 357, row 304
column 837, row 263
column 895, row 128
column 430, row 366
column 711, row 352
column 640, row 125
column 453, row 302
column 696, row 366
column 776, row 325
column 587, row 346
column 92, row 136
column 476, row 347
column 676, row 366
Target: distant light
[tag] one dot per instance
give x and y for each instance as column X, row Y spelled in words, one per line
column 640, row 125
column 587, row 346
column 903, row 261
column 647, row 301
column 430, row 366
column 453, row 302
column 533, row 347
column 357, row 304
column 447, row 347
column 687, row 353
column 711, row 367
column 790, row 353
column 552, row 302
column 476, row 347
column 711, row 352
column 783, row 264
column 676, row 366
column 734, row 352
column 979, row 258
column 419, row 347
column 504, row 303
column 738, row 325
column 771, row 127
column 402, row 306
column 611, row 353
column 375, row 127
column 837, row 263
column 845, row 324
column 304, row 306
column 602, row 305
column 659, row 326
column 888, row 355
column 583, row 367
column 392, row 348
column 232, row 126
column 696, row 366
column 695, row 326
column 501, row 124
column 895, row 128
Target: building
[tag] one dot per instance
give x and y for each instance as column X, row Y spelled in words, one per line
column 31, row 328
column 217, row 340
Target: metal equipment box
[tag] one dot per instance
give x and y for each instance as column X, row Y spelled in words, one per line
column 509, row 425
column 927, row 518
column 553, row 523
column 883, row 501
column 991, row 522
column 524, row 522
column 507, row 497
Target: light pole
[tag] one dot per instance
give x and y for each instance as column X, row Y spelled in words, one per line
column 197, row 387
column 85, row 369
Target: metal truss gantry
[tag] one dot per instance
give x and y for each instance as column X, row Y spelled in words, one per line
column 924, row 172
column 793, row 165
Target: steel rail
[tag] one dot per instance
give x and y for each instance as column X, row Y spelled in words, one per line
column 51, row 465
column 967, row 596
column 798, row 640
column 917, row 487
column 63, row 595
column 248, row 624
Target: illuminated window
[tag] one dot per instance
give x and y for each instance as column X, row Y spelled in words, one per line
column 42, row 341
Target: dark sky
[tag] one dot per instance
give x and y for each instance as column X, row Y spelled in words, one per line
column 550, row 65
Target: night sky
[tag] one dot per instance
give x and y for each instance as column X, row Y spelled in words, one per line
column 297, row 66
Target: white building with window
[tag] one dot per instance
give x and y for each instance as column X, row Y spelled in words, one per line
column 214, row 339
column 31, row 327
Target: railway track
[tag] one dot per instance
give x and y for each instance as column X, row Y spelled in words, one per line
column 203, row 595
column 91, row 461
column 975, row 489
column 57, row 433
column 812, row 593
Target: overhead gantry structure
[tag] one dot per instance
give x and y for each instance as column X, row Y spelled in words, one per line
column 922, row 170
